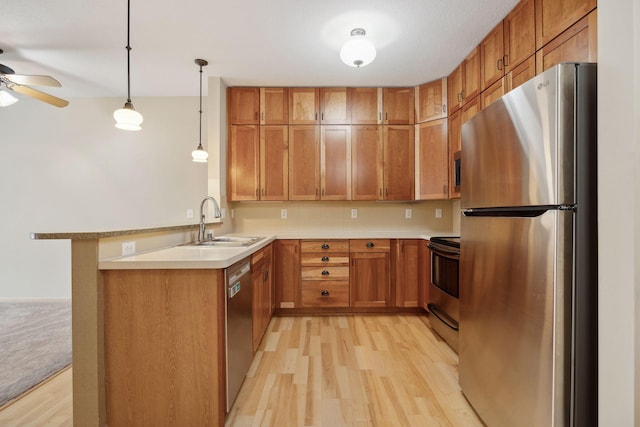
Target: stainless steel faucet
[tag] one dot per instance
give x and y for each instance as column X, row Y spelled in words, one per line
column 216, row 213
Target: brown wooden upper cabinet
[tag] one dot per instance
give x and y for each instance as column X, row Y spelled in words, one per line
column 508, row 44
column 335, row 162
column 432, row 160
column 521, row 73
column 471, row 76
column 399, row 162
column 554, row 16
column 577, row 44
column 431, row 101
column 335, row 106
column 274, row 106
column 274, row 162
column 398, row 106
column 304, row 163
column 366, row 162
column 304, row 106
column 455, row 145
column 243, row 166
column 493, row 92
column 454, row 89
column 245, row 105
column 366, row 105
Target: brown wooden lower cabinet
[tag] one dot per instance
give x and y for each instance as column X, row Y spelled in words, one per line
column 406, row 258
column 424, row 274
column 164, row 347
column 287, row 273
column 263, row 292
column 370, row 284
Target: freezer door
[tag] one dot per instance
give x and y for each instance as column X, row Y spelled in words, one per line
column 519, row 151
column 515, row 318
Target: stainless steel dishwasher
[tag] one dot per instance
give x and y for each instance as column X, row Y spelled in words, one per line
column 239, row 324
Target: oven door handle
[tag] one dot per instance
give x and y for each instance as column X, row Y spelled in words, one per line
column 443, row 249
column 444, row 317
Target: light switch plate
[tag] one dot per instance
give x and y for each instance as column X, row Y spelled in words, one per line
column 189, row 213
column 408, row 213
column 128, row 248
column 438, row 213
column 283, row 213
column 354, row 213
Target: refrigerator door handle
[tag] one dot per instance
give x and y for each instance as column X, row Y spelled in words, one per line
column 529, row 212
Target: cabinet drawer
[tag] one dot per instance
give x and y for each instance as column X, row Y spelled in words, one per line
column 325, row 294
column 320, row 259
column 369, row 245
column 257, row 257
column 324, row 246
column 325, row 273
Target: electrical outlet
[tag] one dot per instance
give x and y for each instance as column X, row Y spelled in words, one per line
column 128, row 248
column 189, row 213
column 233, row 213
column 407, row 213
column 223, row 213
column 283, row 213
column 354, row 213
column 438, row 213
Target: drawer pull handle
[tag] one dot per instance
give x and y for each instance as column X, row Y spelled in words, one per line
column 325, row 258
column 325, row 246
column 370, row 244
column 325, row 293
column 325, row 273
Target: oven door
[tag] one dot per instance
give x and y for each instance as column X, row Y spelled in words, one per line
column 444, row 306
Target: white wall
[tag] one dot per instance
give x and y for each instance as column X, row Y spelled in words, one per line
column 619, row 210
column 70, row 169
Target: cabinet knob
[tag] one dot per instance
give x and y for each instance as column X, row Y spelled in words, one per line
column 325, row 293
column 325, row 273
column 325, row 258
column 325, row 246
column 370, row 244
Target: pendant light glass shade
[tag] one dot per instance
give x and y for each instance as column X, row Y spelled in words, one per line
column 358, row 51
column 7, row 99
column 127, row 118
column 199, row 155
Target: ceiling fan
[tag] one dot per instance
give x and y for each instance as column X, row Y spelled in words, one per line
column 20, row 83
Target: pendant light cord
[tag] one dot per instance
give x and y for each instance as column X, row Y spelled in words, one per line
column 128, row 52
column 200, row 137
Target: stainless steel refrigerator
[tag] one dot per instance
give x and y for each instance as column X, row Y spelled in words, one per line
column 528, row 254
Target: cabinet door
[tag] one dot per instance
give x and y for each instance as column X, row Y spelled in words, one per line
column 245, row 105
column 335, row 162
column 303, row 106
column 424, row 278
column 471, row 76
column 492, row 57
column 555, row 16
column 287, row 273
column 274, row 162
column 521, row 73
column 454, row 89
column 398, row 106
column 519, row 34
column 455, row 144
column 304, row 163
column 470, row 109
column 369, row 279
column 257, row 304
column 274, row 106
column 399, row 162
column 335, row 106
column 366, row 105
column 406, row 272
column 366, row 162
column 243, row 163
column 577, row 44
column 432, row 160
column 431, row 101
column 493, row 92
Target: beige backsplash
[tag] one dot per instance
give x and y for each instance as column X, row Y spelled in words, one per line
column 309, row 217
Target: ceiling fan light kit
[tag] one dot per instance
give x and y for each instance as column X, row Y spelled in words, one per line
column 199, row 155
column 358, row 51
column 127, row 118
column 7, row 99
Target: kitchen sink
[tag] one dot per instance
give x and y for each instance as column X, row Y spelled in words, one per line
column 227, row 241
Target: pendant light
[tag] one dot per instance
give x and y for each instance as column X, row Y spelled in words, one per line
column 7, row 99
column 199, row 155
column 127, row 118
column 358, row 51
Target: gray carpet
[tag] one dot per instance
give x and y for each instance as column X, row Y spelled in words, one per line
column 35, row 343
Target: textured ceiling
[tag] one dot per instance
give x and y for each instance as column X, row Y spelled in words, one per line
column 247, row 42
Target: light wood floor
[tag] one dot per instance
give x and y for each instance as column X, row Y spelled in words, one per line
column 319, row 371
column 352, row 371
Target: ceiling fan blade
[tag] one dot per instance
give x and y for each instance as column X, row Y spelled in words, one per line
column 23, row 79
column 45, row 97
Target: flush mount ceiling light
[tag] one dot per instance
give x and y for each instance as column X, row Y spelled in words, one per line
column 199, row 155
column 127, row 118
column 358, row 51
column 7, row 99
